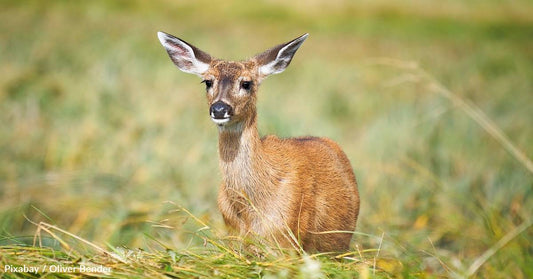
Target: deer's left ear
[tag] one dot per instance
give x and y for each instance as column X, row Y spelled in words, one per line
column 187, row 57
column 276, row 59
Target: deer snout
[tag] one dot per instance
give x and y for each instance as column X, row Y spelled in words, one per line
column 220, row 112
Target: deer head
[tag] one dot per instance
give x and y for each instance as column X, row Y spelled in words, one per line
column 231, row 86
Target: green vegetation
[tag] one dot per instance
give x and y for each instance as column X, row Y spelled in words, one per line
column 108, row 144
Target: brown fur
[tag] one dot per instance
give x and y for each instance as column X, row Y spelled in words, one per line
column 272, row 185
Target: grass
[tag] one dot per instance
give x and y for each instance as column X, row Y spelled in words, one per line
column 219, row 257
column 431, row 105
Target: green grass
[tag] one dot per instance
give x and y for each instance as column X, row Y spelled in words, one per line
column 430, row 100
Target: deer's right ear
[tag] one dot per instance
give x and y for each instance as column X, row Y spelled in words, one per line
column 187, row 57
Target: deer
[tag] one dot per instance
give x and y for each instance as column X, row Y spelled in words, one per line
column 297, row 192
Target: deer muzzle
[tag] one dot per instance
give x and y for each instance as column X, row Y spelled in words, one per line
column 220, row 112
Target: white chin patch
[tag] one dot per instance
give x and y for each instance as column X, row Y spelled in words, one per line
column 220, row 122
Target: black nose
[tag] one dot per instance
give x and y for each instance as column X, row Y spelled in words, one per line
column 220, row 110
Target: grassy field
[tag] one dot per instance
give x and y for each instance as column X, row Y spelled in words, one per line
column 108, row 145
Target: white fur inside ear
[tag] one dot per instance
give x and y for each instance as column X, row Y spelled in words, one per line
column 182, row 55
column 274, row 67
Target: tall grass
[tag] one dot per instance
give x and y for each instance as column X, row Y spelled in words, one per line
column 432, row 106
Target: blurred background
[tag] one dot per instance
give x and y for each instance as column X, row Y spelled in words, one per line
column 98, row 129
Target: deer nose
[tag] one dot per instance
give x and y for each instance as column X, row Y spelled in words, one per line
column 220, row 110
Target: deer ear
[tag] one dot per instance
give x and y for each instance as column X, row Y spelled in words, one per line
column 187, row 57
column 276, row 59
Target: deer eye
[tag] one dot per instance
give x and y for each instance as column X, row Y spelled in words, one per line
column 246, row 85
column 208, row 83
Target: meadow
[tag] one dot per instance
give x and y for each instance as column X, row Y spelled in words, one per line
column 108, row 157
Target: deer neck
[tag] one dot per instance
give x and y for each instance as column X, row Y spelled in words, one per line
column 243, row 163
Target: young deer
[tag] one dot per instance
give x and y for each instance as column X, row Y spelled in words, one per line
column 286, row 190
